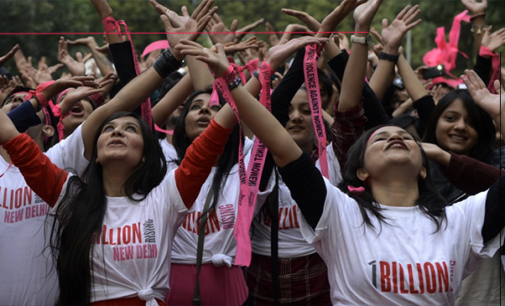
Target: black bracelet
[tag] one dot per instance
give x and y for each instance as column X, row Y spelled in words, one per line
column 166, row 64
column 234, row 84
column 389, row 57
column 256, row 74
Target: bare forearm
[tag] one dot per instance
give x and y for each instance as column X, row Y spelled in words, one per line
column 101, row 60
column 354, row 76
column 171, row 101
column 382, row 78
column 268, row 129
column 201, row 76
column 414, row 87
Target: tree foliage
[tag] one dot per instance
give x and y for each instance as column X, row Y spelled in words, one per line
column 72, row 16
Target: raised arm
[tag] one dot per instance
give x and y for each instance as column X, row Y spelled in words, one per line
column 285, row 151
column 465, row 173
column 171, row 101
column 392, row 37
column 354, row 76
column 140, row 88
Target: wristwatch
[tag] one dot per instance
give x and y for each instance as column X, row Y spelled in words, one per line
column 361, row 40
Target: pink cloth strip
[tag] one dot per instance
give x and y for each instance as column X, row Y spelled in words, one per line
column 38, row 93
column 241, row 232
column 157, row 45
column 214, row 98
column 446, row 53
column 110, row 24
column 254, row 172
column 353, row 189
column 314, row 93
column 146, row 106
column 158, row 129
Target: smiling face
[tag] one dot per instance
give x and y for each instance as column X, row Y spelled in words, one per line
column 455, row 131
column 390, row 146
column 300, row 125
column 121, row 139
column 199, row 115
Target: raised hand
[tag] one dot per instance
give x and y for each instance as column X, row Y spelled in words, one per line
column 437, row 92
column 436, row 153
column 493, row 40
column 231, row 48
column 272, row 37
column 219, row 33
column 393, row 34
column 364, row 14
column 309, row 21
column 240, row 33
column 85, row 41
column 475, row 7
column 334, row 18
column 6, row 86
column 278, row 54
column 217, row 61
column 43, row 74
column 184, row 27
column 75, row 68
column 74, row 82
column 9, row 55
column 493, row 104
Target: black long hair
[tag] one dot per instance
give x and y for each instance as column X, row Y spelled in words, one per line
column 430, row 201
column 225, row 162
column 481, row 121
column 81, row 212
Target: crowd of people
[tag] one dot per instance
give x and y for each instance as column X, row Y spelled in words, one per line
column 317, row 170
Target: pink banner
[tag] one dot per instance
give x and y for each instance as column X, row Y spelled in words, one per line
column 314, row 93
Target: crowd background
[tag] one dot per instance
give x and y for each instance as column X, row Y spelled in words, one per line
column 460, row 122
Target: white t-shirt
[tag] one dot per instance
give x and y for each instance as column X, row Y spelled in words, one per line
column 170, row 154
column 220, row 225
column 26, row 267
column 132, row 256
column 404, row 262
column 291, row 242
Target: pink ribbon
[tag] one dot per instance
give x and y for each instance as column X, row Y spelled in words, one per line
column 353, row 189
column 157, row 45
column 254, row 172
column 495, row 62
column 38, row 93
column 241, row 232
column 158, row 129
column 214, row 98
column 446, row 53
column 314, row 93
